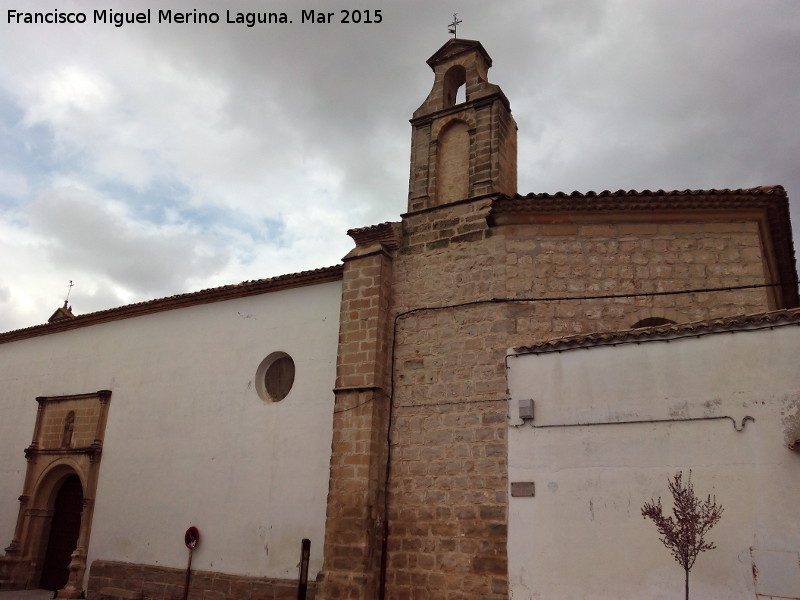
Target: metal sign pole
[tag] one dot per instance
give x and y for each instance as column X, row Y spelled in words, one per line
column 188, row 576
column 191, row 538
column 302, row 584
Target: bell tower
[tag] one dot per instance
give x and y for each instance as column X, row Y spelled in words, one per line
column 463, row 150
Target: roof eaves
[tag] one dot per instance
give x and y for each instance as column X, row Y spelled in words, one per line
column 218, row 294
column 665, row 332
column 637, row 200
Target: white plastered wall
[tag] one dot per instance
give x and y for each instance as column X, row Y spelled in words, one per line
column 188, row 439
column 582, row 535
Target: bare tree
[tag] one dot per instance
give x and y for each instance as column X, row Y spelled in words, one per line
column 684, row 535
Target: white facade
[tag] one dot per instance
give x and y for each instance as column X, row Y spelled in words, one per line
column 188, row 439
column 582, row 536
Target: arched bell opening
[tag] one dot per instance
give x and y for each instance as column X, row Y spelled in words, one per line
column 454, row 86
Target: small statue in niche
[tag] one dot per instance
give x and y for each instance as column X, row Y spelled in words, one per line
column 69, row 428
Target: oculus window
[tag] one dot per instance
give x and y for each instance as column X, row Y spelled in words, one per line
column 275, row 377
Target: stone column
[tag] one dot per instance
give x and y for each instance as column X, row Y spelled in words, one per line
column 355, row 515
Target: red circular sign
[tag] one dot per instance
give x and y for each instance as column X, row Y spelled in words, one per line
column 191, row 538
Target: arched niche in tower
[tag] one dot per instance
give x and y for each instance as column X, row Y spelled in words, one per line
column 452, row 167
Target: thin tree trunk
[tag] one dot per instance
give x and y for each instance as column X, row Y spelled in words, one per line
column 687, row 584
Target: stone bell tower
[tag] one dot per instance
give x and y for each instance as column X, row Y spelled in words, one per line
column 461, row 150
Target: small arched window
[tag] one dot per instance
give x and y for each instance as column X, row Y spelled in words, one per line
column 652, row 322
column 454, row 79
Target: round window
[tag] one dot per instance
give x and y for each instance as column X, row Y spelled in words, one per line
column 275, row 377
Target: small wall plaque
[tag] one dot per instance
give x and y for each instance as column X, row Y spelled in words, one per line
column 522, row 489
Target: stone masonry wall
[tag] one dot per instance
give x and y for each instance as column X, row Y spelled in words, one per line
column 448, row 486
column 87, row 412
column 118, row 580
column 506, row 150
column 354, row 523
column 447, row 492
column 630, row 258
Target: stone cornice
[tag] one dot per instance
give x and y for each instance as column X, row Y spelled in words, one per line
column 431, row 209
column 102, row 395
column 464, row 106
column 387, row 234
column 455, row 47
column 92, row 451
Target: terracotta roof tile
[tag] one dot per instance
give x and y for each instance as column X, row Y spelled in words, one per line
column 387, row 233
column 606, row 200
column 225, row 292
column 664, row 332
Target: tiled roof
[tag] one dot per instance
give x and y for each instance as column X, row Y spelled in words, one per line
column 226, row 292
column 387, row 233
column 770, row 197
column 665, row 332
column 765, row 190
column 689, row 196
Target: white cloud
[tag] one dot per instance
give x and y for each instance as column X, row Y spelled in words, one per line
column 81, row 229
column 68, row 94
column 150, row 160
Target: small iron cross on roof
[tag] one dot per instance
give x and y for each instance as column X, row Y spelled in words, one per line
column 454, row 25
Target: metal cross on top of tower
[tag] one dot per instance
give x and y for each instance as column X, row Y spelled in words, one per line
column 454, row 25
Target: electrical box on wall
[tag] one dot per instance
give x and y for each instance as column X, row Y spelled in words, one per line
column 526, row 408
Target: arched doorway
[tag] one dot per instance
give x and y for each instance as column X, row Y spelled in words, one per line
column 57, row 500
column 64, row 530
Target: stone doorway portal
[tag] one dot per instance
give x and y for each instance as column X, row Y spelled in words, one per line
column 51, row 539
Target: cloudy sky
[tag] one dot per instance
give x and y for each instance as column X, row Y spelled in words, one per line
column 152, row 159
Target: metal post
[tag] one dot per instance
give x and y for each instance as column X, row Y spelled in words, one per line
column 191, row 538
column 188, row 575
column 302, row 584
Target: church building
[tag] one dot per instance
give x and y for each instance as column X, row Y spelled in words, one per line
column 474, row 405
